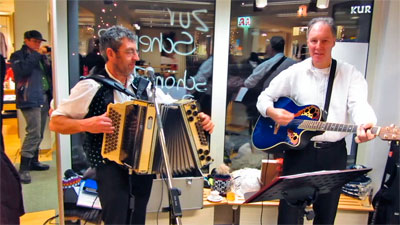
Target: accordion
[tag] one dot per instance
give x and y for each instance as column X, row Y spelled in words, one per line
column 135, row 143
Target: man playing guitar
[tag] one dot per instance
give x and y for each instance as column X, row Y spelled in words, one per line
column 306, row 83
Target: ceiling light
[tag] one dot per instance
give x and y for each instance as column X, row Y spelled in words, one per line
column 261, row 3
column 285, row 3
column 311, row 14
column 322, row 4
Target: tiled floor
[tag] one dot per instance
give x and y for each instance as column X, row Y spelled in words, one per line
column 12, row 142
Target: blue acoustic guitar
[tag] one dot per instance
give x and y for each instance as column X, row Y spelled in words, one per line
column 307, row 122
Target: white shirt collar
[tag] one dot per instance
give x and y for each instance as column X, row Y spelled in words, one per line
column 129, row 80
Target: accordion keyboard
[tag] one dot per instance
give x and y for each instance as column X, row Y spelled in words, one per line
column 112, row 139
column 198, row 134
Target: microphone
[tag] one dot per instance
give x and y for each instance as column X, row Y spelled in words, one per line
column 150, row 73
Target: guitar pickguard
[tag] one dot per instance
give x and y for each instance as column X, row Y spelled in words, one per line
column 311, row 111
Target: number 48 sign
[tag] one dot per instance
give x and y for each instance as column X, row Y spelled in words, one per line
column 244, row 21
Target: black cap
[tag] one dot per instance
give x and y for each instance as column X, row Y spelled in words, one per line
column 33, row 34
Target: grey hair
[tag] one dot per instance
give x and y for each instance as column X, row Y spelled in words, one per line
column 325, row 20
column 112, row 38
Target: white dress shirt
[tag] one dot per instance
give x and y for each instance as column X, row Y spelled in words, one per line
column 76, row 106
column 306, row 84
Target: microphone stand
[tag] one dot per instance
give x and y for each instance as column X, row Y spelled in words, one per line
column 173, row 193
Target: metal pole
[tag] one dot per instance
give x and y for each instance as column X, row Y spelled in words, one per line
column 174, row 204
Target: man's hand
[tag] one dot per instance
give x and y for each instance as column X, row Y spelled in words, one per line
column 364, row 133
column 98, row 124
column 206, row 122
column 280, row 116
column 42, row 50
column 95, row 124
column 50, row 111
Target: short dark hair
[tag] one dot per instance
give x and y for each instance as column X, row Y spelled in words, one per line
column 112, row 38
column 277, row 43
column 326, row 20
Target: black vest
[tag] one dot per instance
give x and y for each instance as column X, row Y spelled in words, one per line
column 98, row 106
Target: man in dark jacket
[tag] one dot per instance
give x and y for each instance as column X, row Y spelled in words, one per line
column 32, row 72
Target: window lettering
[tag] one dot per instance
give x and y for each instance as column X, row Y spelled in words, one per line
column 172, row 82
column 148, row 43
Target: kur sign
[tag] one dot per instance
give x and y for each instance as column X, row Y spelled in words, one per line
column 361, row 9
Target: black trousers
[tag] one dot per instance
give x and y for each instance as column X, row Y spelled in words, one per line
column 114, row 188
column 312, row 159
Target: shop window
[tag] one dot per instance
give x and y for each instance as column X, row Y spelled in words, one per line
column 250, row 33
column 175, row 39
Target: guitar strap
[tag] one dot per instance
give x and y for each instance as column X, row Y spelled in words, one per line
column 273, row 68
column 330, row 85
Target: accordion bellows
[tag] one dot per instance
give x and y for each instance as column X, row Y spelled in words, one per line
column 135, row 144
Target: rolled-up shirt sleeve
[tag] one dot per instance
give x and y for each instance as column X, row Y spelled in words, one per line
column 279, row 86
column 77, row 104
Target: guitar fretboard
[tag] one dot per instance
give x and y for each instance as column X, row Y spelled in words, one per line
column 325, row 126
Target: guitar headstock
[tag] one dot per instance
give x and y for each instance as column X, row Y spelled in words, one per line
column 390, row 133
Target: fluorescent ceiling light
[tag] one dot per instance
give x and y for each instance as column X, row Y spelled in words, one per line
column 322, row 4
column 309, row 14
column 164, row 12
column 159, row 25
column 175, row 2
column 155, row 20
column 298, row 2
column 261, row 3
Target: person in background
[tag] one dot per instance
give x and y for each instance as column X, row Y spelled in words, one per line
column 253, row 60
column 267, row 68
column 306, row 83
column 33, row 78
column 85, row 111
column 93, row 58
column 276, row 47
column 204, row 78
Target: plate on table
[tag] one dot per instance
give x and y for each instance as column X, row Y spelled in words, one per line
column 214, row 199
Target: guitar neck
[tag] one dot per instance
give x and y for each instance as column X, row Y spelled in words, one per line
column 325, row 126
